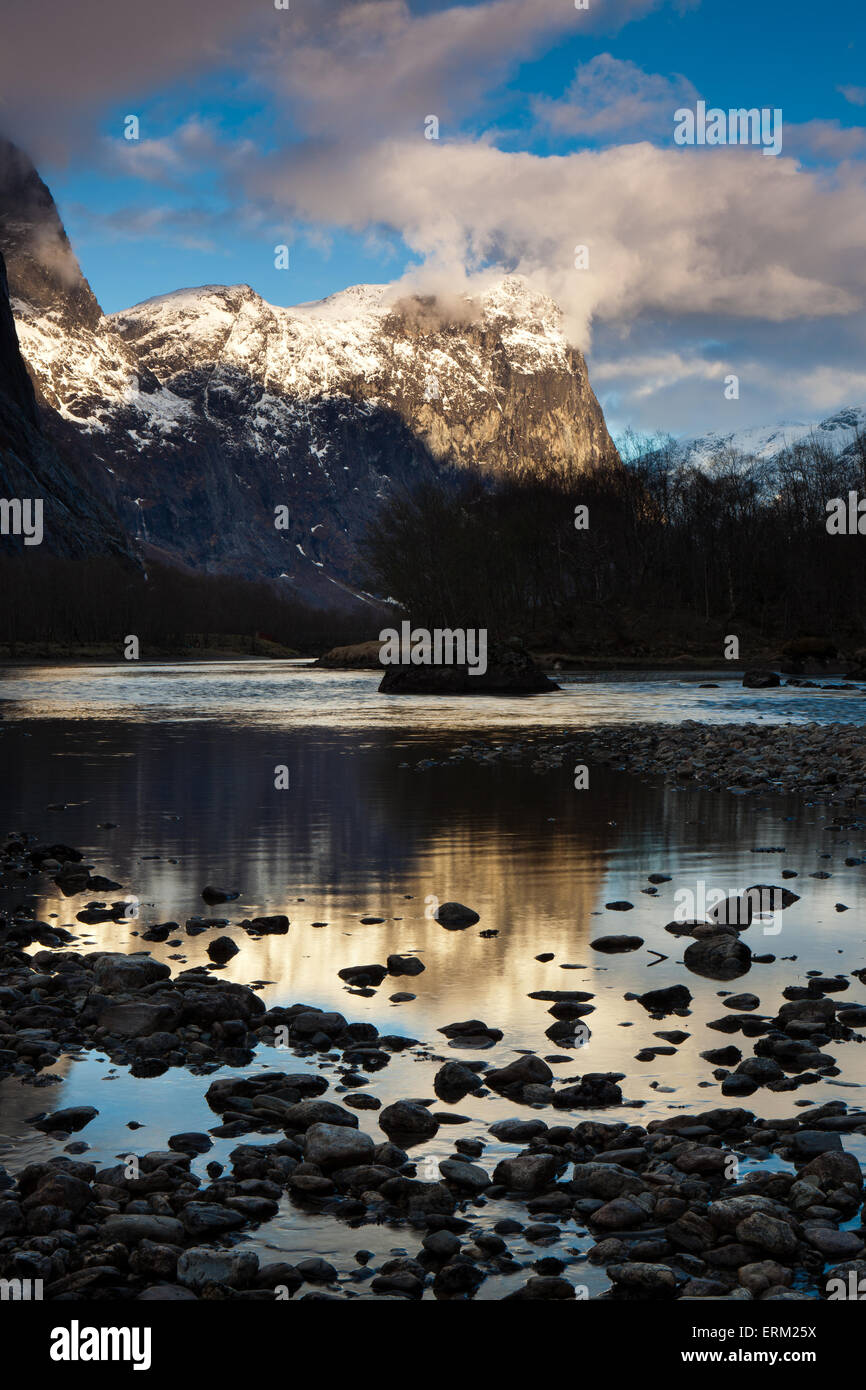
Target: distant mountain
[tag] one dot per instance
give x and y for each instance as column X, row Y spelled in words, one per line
column 202, row 411
column 837, row 433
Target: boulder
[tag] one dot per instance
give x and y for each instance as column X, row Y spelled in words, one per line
column 408, row 1120
column 455, row 916
column 509, row 671
column 200, row 1266
column 760, row 679
column 337, row 1146
column 526, row 1172
column 718, row 957
column 405, row 965
column 615, row 945
column 667, row 1000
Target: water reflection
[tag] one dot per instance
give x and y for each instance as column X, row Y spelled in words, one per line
column 356, row 835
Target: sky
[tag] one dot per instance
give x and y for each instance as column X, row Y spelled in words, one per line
column 308, row 127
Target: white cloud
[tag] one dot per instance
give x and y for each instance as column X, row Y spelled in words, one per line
column 610, row 96
column 673, row 231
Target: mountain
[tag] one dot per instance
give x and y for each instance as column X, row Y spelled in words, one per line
column 837, row 434
column 203, row 411
column 76, row 522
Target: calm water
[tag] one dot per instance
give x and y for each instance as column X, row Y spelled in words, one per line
column 183, row 759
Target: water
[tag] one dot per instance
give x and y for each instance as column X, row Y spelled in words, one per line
column 183, row 759
column 281, row 694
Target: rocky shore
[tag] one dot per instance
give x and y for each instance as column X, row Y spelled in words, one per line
column 823, row 762
column 716, row 1204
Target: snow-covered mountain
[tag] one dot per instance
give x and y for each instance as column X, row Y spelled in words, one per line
column 837, row 434
column 204, row 410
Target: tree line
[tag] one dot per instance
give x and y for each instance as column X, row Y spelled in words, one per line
column 668, row 547
column 47, row 599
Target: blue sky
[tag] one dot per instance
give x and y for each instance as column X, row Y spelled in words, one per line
column 305, row 127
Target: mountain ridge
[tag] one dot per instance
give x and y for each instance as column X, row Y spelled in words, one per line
column 837, row 432
column 206, row 409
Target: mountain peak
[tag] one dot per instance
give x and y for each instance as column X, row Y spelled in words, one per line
column 42, row 267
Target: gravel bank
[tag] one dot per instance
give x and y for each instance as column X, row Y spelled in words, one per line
column 825, row 762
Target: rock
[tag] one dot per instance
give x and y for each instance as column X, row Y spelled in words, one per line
column 160, row 931
column 723, row 1056
column 719, row 957
column 763, row 1275
column 621, row 905
column 620, row 1214
column 761, row 1069
column 593, row 1089
column 453, row 1081
column 541, row 1288
column 831, row 1243
column 821, row 1011
column 307, row 1113
column 768, row 1233
column 138, row 1020
column 209, row 1219
column 739, row 1085
column 357, row 656
column 276, row 925
column 408, row 1120
column 199, row 1266
column 463, row 1174
column 760, row 680
column 807, row 1143
column 509, row 671
column 732, row 912
column 666, row 1001
column 337, row 1146
column 768, row 897
column 513, row 1131
column 614, row 945
column 70, row 1120
column 832, row 1170
column 192, row 1142
column 115, row 973
column 442, row 1245
column 742, row 1001
column 221, row 949
column 527, row 1070
column 457, row 1279
column 405, row 965
column 213, row 895
column 455, row 916
column 130, row 1228
column 317, row 1271
column 363, row 975
column 316, row 1021
column 471, row 1033
column 526, row 1172
column 653, row 1280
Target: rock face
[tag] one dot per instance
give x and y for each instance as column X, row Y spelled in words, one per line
column 32, row 466
column 202, row 411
